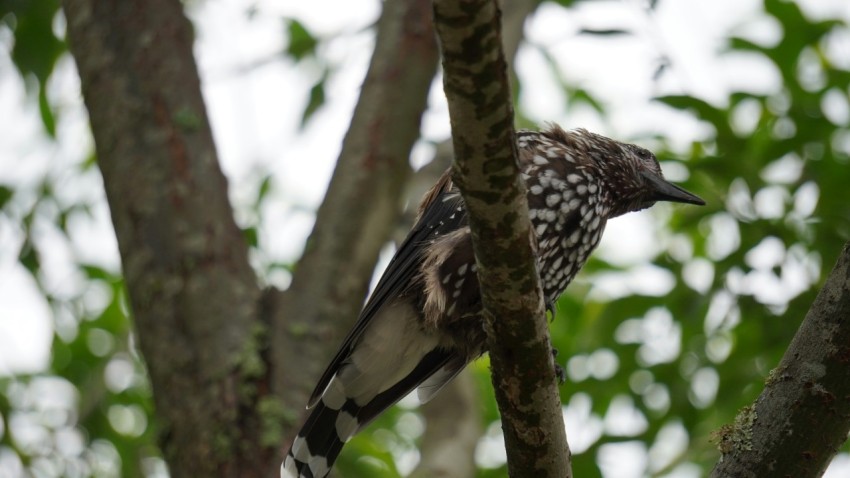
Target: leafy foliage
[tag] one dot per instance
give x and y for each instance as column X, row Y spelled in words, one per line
column 36, row 47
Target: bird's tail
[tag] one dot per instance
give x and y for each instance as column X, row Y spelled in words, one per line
column 319, row 441
column 337, row 417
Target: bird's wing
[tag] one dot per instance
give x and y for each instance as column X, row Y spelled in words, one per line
column 442, row 211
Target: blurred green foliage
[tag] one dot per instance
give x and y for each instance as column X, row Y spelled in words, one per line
column 679, row 365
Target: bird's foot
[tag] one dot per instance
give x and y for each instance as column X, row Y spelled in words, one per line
column 552, row 309
column 560, row 373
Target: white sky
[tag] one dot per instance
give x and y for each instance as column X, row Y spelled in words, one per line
column 255, row 115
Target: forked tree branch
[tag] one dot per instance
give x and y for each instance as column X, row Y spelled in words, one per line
column 361, row 204
column 802, row 417
column 486, row 170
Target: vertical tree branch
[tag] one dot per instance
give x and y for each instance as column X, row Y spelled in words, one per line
column 452, row 426
column 191, row 289
column 802, row 417
column 362, row 201
column 486, row 170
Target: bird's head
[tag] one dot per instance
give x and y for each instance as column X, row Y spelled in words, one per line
column 632, row 176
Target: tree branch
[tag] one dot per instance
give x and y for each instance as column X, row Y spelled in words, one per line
column 191, row 289
column 452, row 426
column 802, row 417
column 362, row 201
column 486, row 171
column 514, row 14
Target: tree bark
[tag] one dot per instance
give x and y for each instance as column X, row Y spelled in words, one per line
column 802, row 417
column 192, row 292
column 361, row 205
column 486, row 170
column 452, row 425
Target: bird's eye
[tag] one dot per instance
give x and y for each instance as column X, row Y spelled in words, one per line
column 644, row 155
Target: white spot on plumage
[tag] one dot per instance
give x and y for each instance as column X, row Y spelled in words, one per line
column 553, row 199
column 592, row 188
column 540, row 160
column 573, row 178
column 541, row 228
column 462, row 269
column 558, row 183
column 334, row 395
column 319, row 466
column 346, row 425
column 300, row 450
column 581, row 189
column 287, row 468
column 536, row 189
column 551, row 215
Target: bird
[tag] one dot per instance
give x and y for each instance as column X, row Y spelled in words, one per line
column 423, row 322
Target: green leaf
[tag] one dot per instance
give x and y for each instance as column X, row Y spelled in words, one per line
column 36, row 48
column 317, row 99
column 717, row 117
column 301, row 42
column 265, row 188
column 28, row 257
column 6, row 194
column 46, row 111
column 580, row 95
column 251, row 236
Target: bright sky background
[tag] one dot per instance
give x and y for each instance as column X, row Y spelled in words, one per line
column 255, row 100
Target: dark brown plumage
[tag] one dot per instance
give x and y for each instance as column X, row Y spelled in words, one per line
column 423, row 322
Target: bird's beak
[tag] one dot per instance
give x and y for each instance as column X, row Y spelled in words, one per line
column 665, row 191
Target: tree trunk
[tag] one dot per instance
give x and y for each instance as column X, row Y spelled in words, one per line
column 192, row 292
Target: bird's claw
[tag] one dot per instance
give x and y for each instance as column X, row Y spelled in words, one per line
column 552, row 309
column 560, row 373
